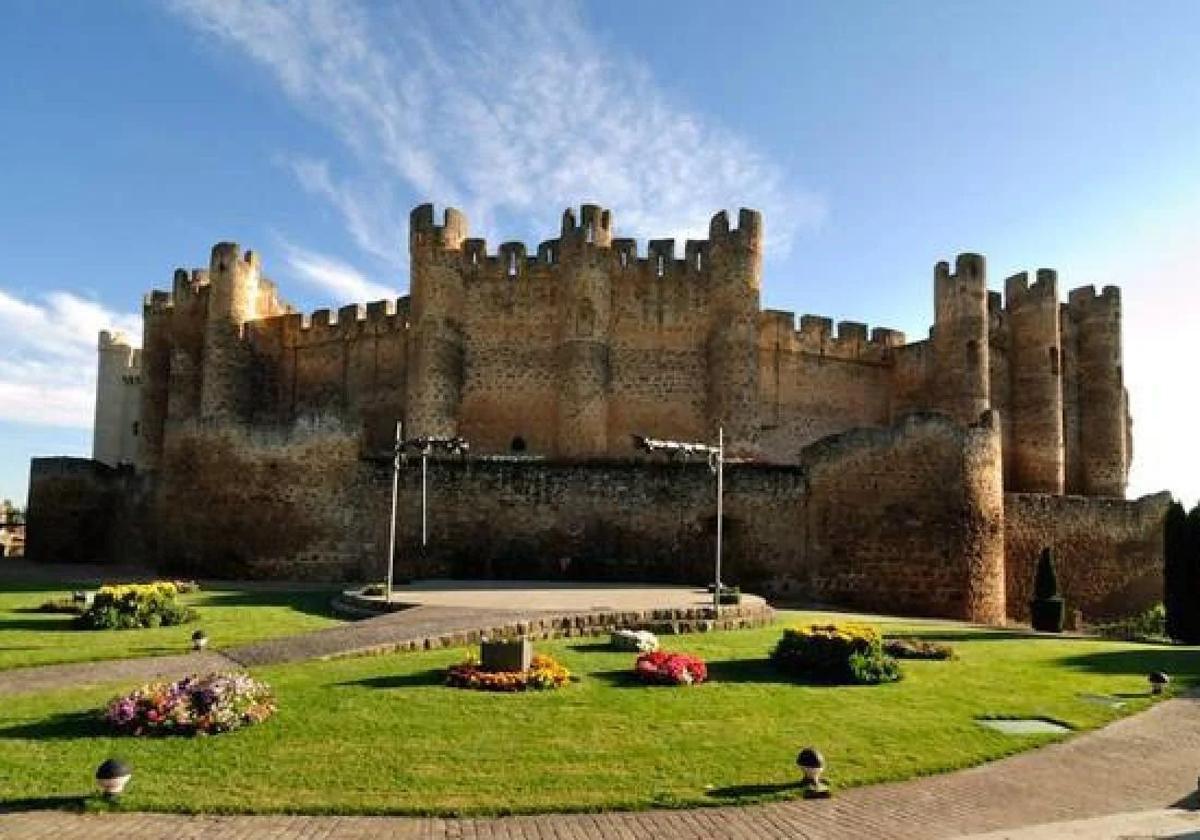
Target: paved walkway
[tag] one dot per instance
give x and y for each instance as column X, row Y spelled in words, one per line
column 1149, row 761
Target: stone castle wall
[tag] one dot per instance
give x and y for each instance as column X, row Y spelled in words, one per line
column 876, row 468
column 1108, row 552
column 567, row 349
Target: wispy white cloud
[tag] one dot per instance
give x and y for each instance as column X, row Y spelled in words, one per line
column 509, row 112
column 49, row 351
column 340, row 282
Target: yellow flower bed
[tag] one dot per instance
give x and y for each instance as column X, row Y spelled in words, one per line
column 544, row 673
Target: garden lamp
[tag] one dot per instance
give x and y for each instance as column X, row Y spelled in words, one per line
column 112, row 776
column 1158, row 682
column 199, row 641
column 812, row 765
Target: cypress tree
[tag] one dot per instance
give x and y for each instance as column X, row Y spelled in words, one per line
column 1045, row 583
column 1177, row 574
column 1047, row 610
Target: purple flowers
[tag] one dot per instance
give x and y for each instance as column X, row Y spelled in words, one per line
column 195, row 705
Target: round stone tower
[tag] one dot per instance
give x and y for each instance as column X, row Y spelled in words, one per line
column 584, row 317
column 1103, row 417
column 1036, row 393
column 735, row 278
column 960, row 338
column 232, row 301
column 435, row 350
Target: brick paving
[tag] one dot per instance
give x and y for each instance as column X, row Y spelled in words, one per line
column 1149, row 761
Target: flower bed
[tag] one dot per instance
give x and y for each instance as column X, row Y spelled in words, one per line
column 635, row 641
column 665, row 668
column 136, row 605
column 844, row 653
column 544, row 673
column 195, row 705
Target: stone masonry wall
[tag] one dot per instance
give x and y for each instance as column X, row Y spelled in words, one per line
column 907, row 519
column 925, row 539
column 74, row 504
column 1108, row 552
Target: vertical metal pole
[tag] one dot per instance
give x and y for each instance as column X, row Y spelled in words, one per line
column 720, row 514
column 395, row 491
column 424, row 496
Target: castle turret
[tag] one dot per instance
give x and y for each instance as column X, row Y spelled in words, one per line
column 735, row 272
column 1036, row 457
column 114, row 436
column 960, row 338
column 156, row 365
column 1102, row 464
column 585, row 313
column 233, row 294
column 435, row 375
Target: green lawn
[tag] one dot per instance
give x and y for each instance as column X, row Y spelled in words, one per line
column 229, row 617
column 382, row 735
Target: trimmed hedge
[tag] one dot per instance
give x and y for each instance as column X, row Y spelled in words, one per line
column 847, row 653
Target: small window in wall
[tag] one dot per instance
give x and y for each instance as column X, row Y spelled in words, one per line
column 512, row 263
column 135, row 428
column 518, row 444
column 661, row 265
column 1054, row 361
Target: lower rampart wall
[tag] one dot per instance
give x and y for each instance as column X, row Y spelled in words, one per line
column 908, row 520
column 1108, row 552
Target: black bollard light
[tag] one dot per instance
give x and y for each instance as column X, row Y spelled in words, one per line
column 112, row 776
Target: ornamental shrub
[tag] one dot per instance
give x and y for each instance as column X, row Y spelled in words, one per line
column 195, row 705
column 544, row 673
column 662, row 667
column 1181, row 554
column 136, row 605
column 845, row 653
column 1147, row 626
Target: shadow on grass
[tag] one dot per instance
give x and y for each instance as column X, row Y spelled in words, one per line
column 433, row 676
column 597, row 647
column 317, row 602
column 45, row 803
column 48, row 622
column 753, row 791
column 730, row 671
column 68, row 726
column 1177, row 662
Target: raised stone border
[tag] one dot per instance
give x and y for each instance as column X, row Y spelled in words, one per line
column 559, row 624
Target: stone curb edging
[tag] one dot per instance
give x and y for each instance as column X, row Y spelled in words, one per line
column 567, row 625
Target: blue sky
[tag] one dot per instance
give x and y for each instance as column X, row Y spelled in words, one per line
column 877, row 138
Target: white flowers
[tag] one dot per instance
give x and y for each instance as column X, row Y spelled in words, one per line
column 639, row 641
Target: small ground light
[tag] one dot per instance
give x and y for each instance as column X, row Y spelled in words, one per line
column 199, row 640
column 812, row 764
column 112, row 776
column 1158, row 682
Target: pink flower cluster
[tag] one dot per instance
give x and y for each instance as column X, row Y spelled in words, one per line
column 665, row 668
column 195, row 705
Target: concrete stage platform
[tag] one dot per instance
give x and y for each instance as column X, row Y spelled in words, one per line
column 556, row 596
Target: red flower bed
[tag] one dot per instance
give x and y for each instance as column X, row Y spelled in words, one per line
column 665, row 668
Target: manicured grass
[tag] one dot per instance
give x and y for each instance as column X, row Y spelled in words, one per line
column 229, row 617
column 383, row 735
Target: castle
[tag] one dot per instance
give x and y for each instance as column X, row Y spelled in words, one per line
column 1010, row 419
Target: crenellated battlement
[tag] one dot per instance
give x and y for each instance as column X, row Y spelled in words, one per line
column 1019, row 292
column 851, row 340
column 347, row 323
column 1085, row 300
column 586, row 235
